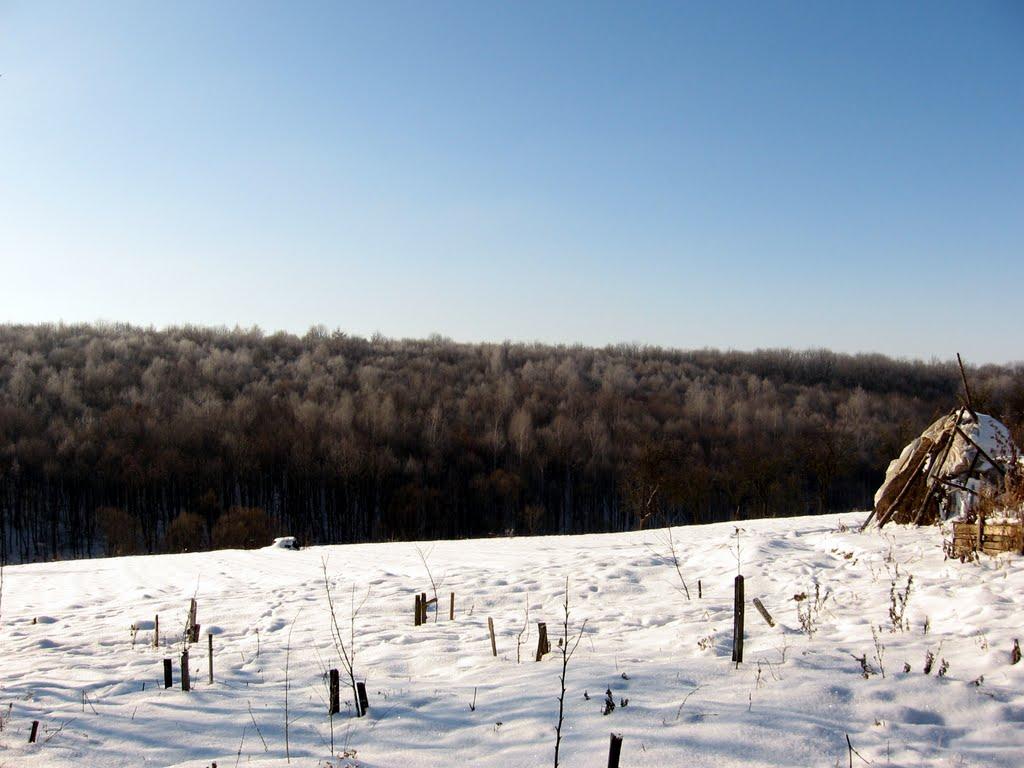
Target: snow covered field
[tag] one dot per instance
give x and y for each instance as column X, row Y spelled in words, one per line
column 68, row 660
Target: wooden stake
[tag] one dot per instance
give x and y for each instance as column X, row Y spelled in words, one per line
column 418, row 614
column 543, row 646
column 423, row 607
column 763, row 611
column 614, row 750
column 156, row 631
column 364, row 701
column 490, row 628
column 209, row 638
column 185, row 682
column 192, row 626
column 737, row 627
column 700, row 591
column 32, row 736
column 335, row 704
column 168, row 674
column 451, row 607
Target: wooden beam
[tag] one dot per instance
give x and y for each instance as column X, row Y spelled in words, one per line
column 981, row 450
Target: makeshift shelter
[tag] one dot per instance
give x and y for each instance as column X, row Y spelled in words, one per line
column 940, row 475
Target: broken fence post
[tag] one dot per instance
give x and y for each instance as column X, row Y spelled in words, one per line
column 737, row 626
column 168, row 675
column 335, row 704
column 614, row 750
column 364, row 701
column 543, row 646
column 185, row 682
column 193, row 628
column 490, row 628
column 763, row 611
column 35, row 729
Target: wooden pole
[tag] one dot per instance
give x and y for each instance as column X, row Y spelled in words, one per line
column 451, row 607
column 423, row 607
column 764, row 612
column 335, row 704
column 981, row 450
column 737, row 627
column 35, row 729
column 185, row 682
column 168, row 674
column 156, row 631
column 418, row 614
column 967, row 390
column 614, row 750
column 209, row 639
column 364, row 701
column 490, row 628
column 700, row 591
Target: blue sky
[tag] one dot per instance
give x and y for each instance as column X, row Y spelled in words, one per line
column 734, row 175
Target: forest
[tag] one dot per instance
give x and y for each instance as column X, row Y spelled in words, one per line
column 117, row 439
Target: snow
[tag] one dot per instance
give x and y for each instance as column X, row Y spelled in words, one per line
column 68, row 659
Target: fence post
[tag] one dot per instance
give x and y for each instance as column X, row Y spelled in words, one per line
column 35, row 729
column 614, row 750
column 451, row 607
column 335, row 705
column 185, row 682
column 156, row 631
column 417, row 609
column 737, row 627
column 209, row 638
column 364, row 701
column 168, row 675
column 423, row 607
column 490, row 628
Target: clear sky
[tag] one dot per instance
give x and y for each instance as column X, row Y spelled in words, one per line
column 738, row 175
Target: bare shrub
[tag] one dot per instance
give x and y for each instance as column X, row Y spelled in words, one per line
column 243, row 528
column 186, row 533
column 121, row 532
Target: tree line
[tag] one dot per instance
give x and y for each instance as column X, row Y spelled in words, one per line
column 121, row 439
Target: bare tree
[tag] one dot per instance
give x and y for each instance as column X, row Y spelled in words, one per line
column 346, row 652
column 567, row 654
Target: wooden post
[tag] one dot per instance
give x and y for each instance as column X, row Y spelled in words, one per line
column 423, row 607
column 490, row 628
column 418, row 614
column 700, row 591
column 185, row 683
column 451, row 607
column 543, row 646
column 614, row 750
column 334, row 707
column 193, row 628
column 156, row 631
column 764, row 612
column 364, row 701
column 737, row 627
column 35, row 729
column 209, row 638
column 168, row 675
